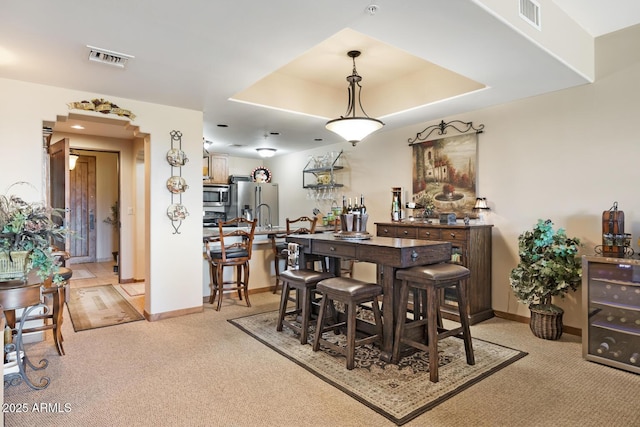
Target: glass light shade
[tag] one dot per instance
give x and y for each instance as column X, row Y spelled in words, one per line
column 266, row 152
column 72, row 161
column 354, row 129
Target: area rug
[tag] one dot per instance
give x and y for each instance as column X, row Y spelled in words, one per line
column 82, row 274
column 398, row 392
column 99, row 306
column 133, row 289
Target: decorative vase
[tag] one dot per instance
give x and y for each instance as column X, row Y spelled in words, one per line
column 14, row 265
column 546, row 321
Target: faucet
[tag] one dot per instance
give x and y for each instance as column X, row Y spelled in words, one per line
column 268, row 225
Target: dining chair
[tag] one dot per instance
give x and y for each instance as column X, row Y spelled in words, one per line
column 301, row 225
column 231, row 248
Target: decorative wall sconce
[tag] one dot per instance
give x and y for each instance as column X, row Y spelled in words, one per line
column 73, row 158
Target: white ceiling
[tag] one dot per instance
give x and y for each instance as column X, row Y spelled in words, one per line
column 199, row 54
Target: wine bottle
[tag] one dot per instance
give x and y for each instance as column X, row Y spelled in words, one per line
column 344, row 205
column 606, row 345
column 635, row 358
column 356, row 207
column 363, row 208
column 350, row 207
column 395, row 209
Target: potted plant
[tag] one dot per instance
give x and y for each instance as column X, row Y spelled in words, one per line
column 114, row 221
column 549, row 266
column 27, row 236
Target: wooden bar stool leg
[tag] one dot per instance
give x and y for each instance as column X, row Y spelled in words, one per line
column 320, row 323
column 351, row 335
column 306, row 306
column 245, row 286
column 432, row 330
column 464, row 320
column 284, row 298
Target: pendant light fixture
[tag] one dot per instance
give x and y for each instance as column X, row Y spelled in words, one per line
column 351, row 127
column 73, row 158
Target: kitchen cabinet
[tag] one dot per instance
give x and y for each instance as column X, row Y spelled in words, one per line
column 218, row 169
column 611, row 305
column 471, row 247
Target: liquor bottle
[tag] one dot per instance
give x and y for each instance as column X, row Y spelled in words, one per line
column 395, row 209
column 363, row 208
column 344, row 205
column 606, row 345
column 356, row 207
column 635, row 358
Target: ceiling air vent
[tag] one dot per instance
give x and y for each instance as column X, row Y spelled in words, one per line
column 530, row 12
column 109, row 57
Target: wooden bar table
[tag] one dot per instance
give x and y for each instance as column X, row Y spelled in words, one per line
column 27, row 295
column 388, row 253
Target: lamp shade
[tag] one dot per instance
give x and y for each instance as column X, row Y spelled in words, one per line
column 266, row 152
column 481, row 204
column 354, row 129
column 72, row 161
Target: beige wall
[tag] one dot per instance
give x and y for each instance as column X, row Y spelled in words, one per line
column 566, row 156
column 173, row 282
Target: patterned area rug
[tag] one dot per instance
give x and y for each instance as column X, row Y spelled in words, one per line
column 99, row 306
column 82, row 274
column 399, row 392
column 133, row 289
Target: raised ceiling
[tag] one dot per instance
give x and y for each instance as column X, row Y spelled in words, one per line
column 202, row 54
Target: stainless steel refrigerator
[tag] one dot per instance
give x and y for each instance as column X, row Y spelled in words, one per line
column 256, row 200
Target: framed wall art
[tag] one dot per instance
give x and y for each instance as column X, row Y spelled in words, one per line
column 445, row 174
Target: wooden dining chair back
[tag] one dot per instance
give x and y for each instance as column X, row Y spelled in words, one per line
column 302, row 225
column 231, row 248
column 297, row 226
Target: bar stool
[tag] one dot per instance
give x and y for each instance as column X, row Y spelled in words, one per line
column 351, row 293
column 304, row 282
column 429, row 280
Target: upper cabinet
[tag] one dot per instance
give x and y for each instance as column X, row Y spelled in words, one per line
column 218, row 169
column 320, row 172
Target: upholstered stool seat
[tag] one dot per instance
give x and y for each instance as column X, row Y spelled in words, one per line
column 427, row 281
column 304, row 282
column 351, row 293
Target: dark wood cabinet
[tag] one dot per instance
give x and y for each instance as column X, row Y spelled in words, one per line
column 471, row 247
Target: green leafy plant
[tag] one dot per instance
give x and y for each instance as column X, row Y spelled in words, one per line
column 114, row 218
column 29, row 227
column 549, row 265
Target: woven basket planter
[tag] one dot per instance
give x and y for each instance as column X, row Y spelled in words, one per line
column 14, row 266
column 546, row 321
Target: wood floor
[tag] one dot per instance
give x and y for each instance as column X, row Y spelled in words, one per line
column 104, row 275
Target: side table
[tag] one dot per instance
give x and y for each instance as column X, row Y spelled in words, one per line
column 25, row 295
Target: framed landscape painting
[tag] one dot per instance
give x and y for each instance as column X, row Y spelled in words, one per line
column 445, row 174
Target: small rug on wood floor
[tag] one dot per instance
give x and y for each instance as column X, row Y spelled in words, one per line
column 99, row 306
column 133, row 289
column 82, row 274
column 399, row 392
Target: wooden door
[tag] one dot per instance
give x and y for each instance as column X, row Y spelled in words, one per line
column 82, row 207
column 58, row 184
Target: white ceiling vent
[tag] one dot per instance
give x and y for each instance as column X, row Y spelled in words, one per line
column 109, row 57
column 530, row 12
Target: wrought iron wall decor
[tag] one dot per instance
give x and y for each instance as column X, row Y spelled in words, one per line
column 460, row 126
column 176, row 183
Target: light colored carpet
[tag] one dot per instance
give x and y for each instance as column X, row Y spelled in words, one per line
column 133, row 289
column 399, row 392
column 82, row 274
column 99, row 306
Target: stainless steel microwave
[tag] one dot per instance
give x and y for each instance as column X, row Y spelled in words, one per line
column 215, row 195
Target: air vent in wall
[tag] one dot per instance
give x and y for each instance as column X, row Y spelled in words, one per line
column 530, row 12
column 108, row 57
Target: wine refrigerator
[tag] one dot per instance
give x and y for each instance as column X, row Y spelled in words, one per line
column 611, row 301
